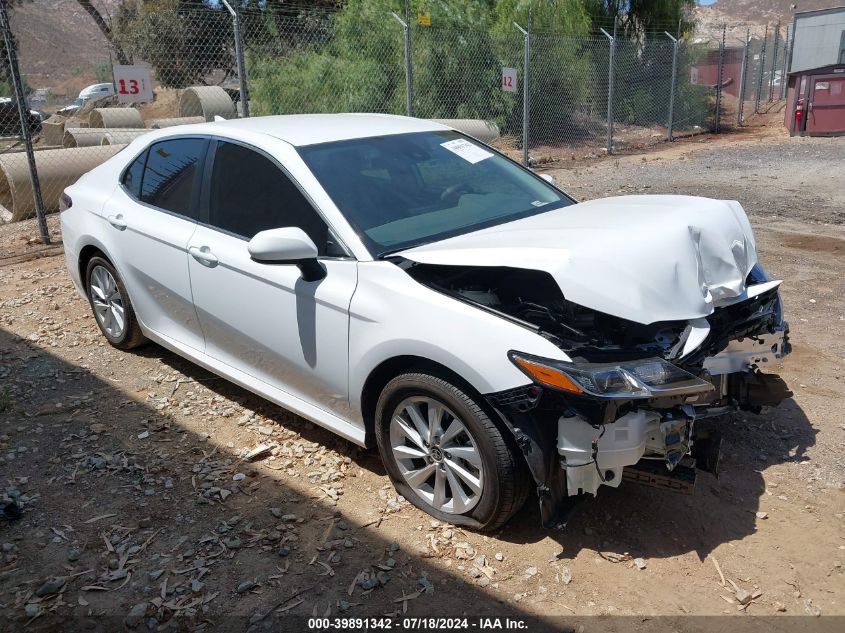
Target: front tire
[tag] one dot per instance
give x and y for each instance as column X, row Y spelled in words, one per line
column 445, row 455
column 111, row 305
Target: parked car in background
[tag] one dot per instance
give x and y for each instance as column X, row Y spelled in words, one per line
column 92, row 92
column 10, row 123
column 410, row 288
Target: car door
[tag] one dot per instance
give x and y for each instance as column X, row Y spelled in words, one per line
column 264, row 319
column 149, row 220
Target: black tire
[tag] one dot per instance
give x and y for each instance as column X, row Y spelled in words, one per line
column 131, row 336
column 506, row 483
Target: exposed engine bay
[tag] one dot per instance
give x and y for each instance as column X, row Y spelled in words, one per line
column 576, row 440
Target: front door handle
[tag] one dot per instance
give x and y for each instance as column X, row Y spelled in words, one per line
column 203, row 255
column 117, row 221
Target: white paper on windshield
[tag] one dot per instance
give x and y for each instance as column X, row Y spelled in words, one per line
column 466, row 150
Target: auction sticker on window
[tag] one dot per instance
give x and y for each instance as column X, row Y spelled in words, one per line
column 466, row 150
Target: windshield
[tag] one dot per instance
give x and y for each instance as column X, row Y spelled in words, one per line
column 403, row 190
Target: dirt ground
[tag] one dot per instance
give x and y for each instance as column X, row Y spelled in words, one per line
column 140, row 511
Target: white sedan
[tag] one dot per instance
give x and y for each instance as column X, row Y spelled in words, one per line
column 409, row 287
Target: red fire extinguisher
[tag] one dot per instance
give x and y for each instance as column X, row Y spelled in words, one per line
column 799, row 114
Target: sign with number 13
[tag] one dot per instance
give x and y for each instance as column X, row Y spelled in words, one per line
column 133, row 84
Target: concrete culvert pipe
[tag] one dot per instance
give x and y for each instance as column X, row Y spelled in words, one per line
column 206, row 101
column 157, row 124
column 121, row 137
column 115, row 117
column 53, row 130
column 484, row 131
column 57, row 169
column 92, row 136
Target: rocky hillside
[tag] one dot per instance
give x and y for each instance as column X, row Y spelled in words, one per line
column 741, row 15
column 60, row 46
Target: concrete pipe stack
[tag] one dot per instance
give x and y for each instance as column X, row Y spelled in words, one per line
column 57, row 169
column 484, row 131
column 121, row 137
column 115, row 118
column 91, row 136
column 206, row 101
column 157, row 124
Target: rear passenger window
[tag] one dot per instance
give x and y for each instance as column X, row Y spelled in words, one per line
column 171, row 175
column 132, row 175
column 249, row 194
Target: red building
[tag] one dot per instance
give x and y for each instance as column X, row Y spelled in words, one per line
column 815, row 98
column 706, row 71
column 815, row 102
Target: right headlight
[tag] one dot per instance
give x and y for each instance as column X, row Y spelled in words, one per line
column 646, row 378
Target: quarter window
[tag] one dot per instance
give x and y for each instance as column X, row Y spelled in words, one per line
column 170, row 175
column 132, row 175
column 249, row 194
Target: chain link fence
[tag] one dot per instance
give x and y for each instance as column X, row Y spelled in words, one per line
column 552, row 96
column 764, row 71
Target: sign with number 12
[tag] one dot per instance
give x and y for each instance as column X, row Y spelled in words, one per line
column 133, row 84
column 509, row 79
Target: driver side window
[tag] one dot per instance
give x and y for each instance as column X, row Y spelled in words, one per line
column 250, row 194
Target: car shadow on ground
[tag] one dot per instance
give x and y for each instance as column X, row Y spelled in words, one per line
column 122, row 507
column 638, row 520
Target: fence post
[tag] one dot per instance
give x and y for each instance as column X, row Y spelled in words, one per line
column 239, row 58
column 787, row 62
column 719, row 79
column 610, row 68
column 774, row 61
column 742, row 77
column 787, row 48
column 409, row 77
column 526, row 95
column 23, row 111
column 760, row 73
column 671, row 121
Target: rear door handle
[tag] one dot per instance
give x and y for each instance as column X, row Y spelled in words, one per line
column 203, row 255
column 117, row 221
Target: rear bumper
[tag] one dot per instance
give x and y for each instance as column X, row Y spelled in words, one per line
column 70, row 241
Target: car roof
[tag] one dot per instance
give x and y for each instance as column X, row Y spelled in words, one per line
column 310, row 129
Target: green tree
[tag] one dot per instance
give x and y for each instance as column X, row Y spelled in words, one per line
column 183, row 40
column 105, row 27
column 636, row 17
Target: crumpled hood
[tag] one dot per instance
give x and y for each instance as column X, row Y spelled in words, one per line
column 642, row 258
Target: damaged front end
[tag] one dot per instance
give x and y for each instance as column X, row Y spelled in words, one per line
column 626, row 404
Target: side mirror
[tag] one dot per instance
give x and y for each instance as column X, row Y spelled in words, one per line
column 548, row 178
column 289, row 245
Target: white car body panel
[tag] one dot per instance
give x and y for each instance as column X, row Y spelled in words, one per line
column 153, row 262
column 310, row 346
column 392, row 315
column 268, row 322
column 641, row 258
column 310, row 129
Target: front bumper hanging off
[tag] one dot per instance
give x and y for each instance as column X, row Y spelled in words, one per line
column 574, row 446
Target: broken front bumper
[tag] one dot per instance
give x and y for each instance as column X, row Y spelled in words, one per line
column 573, row 446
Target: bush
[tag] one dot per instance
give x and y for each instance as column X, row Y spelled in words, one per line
column 317, row 82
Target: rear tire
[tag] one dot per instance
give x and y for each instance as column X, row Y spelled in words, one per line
column 111, row 305
column 466, row 470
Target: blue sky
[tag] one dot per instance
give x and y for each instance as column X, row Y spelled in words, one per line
column 706, row 1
